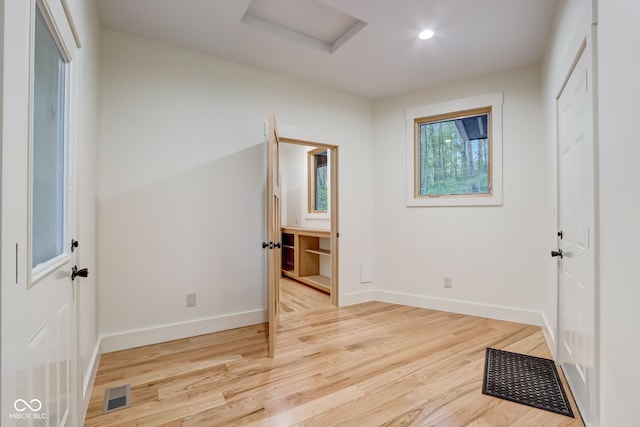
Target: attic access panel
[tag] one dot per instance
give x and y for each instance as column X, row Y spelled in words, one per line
column 307, row 22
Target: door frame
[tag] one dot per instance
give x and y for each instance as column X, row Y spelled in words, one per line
column 582, row 43
column 334, row 233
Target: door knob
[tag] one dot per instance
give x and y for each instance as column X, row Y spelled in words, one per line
column 81, row 273
column 271, row 245
column 558, row 253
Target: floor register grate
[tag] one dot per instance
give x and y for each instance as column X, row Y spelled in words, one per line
column 117, row 398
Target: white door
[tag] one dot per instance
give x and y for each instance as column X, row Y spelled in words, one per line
column 576, row 264
column 38, row 310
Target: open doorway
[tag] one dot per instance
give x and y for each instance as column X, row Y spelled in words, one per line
column 309, row 218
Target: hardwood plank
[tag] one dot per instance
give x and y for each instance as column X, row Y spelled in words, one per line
column 368, row 364
column 296, row 297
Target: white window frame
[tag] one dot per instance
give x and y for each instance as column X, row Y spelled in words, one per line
column 493, row 100
column 53, row 14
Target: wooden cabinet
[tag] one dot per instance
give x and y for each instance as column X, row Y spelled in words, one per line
column 304, row 254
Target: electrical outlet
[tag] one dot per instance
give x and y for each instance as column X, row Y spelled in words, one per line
column 191, row 300
column 447, row 282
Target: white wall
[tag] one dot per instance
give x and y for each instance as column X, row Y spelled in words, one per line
column 619, row 210
column 295, row 204
column 293, row 175
column 182, row 179
column 495, row 255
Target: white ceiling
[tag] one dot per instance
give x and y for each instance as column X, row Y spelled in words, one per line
column 384, row 58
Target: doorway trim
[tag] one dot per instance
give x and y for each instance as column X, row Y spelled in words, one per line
column 334, row 209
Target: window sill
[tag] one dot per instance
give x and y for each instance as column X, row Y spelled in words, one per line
column 42, row 270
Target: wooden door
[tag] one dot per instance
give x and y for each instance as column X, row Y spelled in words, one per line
column 334, row 295
column 274, row 232
column 576, row 262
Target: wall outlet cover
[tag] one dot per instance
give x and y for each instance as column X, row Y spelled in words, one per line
column 366, row 271
column 191, row 300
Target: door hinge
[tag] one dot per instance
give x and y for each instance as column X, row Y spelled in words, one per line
column 16, row 263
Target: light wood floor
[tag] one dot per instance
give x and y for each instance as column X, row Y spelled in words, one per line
column 296, row 297
column 371, row 364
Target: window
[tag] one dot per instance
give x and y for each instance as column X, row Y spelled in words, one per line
column 48, row 151
column 318, row 180
column 455, row 153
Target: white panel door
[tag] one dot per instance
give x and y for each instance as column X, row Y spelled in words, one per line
column 38, row 304
column 576, row 222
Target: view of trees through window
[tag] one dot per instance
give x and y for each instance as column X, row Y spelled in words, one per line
column 322, row 200
column 454, row 156
column 319, row 190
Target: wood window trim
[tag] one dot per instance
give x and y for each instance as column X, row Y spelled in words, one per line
column 445, row 117
column 455, row 109
column 311, row 180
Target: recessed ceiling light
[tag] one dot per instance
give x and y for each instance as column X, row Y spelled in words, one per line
column 425, row 34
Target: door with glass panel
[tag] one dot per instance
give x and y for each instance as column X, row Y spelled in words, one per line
column 50, row 344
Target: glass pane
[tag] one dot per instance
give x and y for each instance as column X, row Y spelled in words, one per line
column 48, row 204
column 321, row 189
column 454, row 156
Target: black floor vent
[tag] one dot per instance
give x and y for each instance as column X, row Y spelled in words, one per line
column 117, row 398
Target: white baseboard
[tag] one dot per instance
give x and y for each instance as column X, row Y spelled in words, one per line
column 357, row 297
column 547, row 330
column 529, row 317
column 90, row 376
column 88, row 380
column 140, row 337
